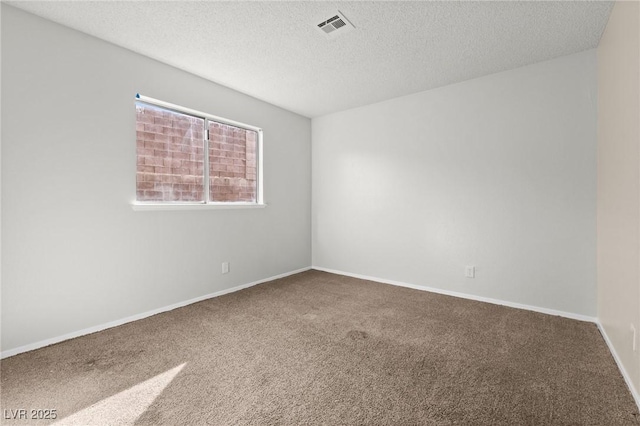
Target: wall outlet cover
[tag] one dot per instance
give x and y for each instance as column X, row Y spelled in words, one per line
column 470, row 271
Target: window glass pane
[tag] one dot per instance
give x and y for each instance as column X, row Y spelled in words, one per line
column 232, row 163
column 170, row 148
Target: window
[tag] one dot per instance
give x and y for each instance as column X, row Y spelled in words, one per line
column 185, row 157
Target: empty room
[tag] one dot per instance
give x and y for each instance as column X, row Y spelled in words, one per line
column 320, row 213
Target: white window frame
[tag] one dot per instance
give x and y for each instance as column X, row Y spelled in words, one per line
column 207, row 203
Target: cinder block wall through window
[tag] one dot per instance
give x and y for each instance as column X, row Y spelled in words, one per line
column 170, row 158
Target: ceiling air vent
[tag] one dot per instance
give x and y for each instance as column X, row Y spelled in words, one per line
column 335, row 25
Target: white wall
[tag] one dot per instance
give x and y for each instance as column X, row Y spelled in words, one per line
column 75, row 255
column 497, row 172
column 619, row 185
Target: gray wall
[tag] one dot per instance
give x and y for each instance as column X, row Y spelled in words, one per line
column 497, row 172
column 75, row 255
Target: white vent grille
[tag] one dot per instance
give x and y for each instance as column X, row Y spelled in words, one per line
column 335, row 25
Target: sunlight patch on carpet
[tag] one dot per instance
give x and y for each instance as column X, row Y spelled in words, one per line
column 125, row 407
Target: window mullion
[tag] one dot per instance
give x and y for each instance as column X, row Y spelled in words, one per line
column 206, row 161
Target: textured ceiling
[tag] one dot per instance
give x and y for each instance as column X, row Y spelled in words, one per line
column 272, row 51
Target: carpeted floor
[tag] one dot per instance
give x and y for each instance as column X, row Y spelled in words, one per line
column 318, row 348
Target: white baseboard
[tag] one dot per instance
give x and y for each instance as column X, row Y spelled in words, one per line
column 463, row 295
column 623, row 371
column 51, row 341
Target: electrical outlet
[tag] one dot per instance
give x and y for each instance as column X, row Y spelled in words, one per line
column 470, row 271
column 634, row 338
column 225, row 267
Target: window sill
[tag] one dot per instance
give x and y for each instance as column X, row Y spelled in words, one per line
column 188, row 206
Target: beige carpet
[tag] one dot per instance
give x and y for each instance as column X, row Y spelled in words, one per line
column 317, row 348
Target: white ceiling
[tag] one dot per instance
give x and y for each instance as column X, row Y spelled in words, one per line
column 272, row 50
